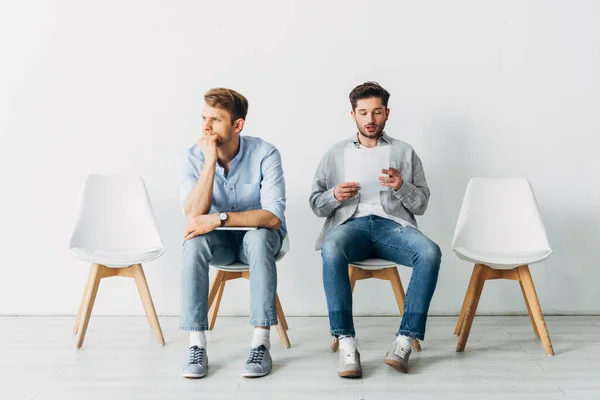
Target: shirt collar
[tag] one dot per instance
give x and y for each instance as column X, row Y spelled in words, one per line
column 240, row 152
column 235, row 159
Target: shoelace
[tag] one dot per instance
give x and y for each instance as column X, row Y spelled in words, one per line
column 401, row 349
column 196, row 355
column 256, row 355
column 350, row 357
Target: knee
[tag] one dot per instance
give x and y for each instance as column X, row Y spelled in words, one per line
column 257, row 242
column 334, row 247
column 199, row 245
column 431, row 255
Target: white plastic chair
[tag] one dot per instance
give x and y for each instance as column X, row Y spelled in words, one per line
column 241, row 270
column 116, row 232
column 379, row 269
column 500, row 230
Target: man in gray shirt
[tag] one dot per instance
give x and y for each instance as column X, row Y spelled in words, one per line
column 374, row 225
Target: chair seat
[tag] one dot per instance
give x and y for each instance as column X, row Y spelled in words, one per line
column 240, row 266
column 373, row 264
column 118, row 258
column 502, row 260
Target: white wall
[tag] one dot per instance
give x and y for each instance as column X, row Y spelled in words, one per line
column 478, row 88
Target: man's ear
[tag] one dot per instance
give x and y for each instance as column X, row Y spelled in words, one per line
column 238, row 125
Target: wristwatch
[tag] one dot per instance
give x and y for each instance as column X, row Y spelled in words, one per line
column 223, row 218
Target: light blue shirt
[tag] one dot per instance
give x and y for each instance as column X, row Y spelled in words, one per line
column 255, row 180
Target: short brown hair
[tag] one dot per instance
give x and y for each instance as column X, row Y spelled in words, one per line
column 367, row 90
column 229, row 100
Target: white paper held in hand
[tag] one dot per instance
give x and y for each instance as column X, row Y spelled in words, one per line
column 364, row 166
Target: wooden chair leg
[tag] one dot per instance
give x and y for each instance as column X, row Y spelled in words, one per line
column 480, row 272
column 214, row 286
column 335, row 344
column 394, row 278
column 535, row 330
column 282, row 325
column 534, row 305
column 214, row 310
column 86, row 290
column 280, row 314
column 95, row 276
column 352, row 272
column 142, row 285
column 468, row 296
column 416, row 345
column 285, row 341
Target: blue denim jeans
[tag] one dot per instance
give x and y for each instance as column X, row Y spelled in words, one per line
column 256, row 248
column 375, row 237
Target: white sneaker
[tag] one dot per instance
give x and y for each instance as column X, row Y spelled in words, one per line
column 349, row 362
column 397, row 356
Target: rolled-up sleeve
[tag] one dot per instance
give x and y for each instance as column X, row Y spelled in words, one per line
column 415, row 196
column 322, row 199
column 272, row 185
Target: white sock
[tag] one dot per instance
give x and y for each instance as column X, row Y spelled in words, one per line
column 261, row 336
column 404, row 339
column 347, row 343
column 198, row 338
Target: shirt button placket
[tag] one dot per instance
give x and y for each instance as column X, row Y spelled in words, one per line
column 231, row 196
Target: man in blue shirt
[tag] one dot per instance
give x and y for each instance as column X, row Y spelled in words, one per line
column 236, row 181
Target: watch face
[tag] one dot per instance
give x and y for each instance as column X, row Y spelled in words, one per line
column 222, row 216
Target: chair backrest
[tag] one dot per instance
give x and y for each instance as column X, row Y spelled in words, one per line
column 115, row 214
column 500, row 215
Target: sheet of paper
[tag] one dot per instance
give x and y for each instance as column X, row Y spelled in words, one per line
column 364, row 166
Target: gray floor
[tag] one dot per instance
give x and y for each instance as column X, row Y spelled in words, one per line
column 120, row 360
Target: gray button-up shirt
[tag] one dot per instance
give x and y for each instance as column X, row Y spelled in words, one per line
column 409, row 200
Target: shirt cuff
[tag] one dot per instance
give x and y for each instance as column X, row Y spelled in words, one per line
column 329, row 198
column 402, row 191
column 276, row 211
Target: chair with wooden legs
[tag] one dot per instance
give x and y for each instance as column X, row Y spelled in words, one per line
column 241, row 270
column 116, row 232
column 378, row 269
column 500, row 230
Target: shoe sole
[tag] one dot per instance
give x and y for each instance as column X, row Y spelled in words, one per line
column 254, row 374
column 350, row 374
column 395, row 364
column 191, row 375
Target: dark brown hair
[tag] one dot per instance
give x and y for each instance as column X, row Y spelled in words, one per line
column 367, row 90
column 229, row 100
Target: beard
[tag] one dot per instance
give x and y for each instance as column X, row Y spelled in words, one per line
column 371, row 135
column 222, row 141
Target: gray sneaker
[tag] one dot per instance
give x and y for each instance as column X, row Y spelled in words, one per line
column 258, row 364
column 197, row 364
column 349, row 363
column 397, row 356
